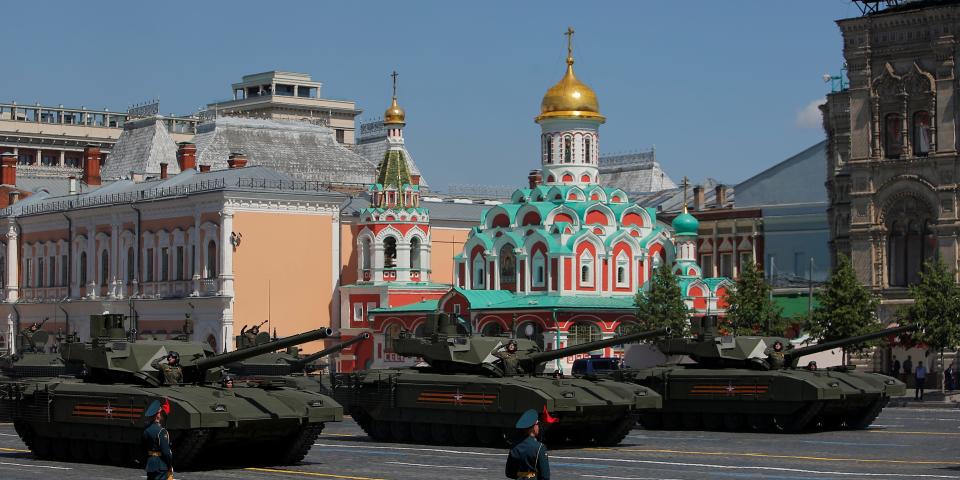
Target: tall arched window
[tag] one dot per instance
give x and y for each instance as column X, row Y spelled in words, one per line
column 539, row 267
column 530, row 331
column 567, row 149
column 492, row 329
column 415, row 253
column 83, row 269
column 508, row 267
column 131, row 265
column 389, row 252
column 391, row 334
column 478, row 272
column 211, row 259
column 921, row 133
column 104, row 268
column 587, row 157
column 586, row 268
column 910, row 242
column 892, row 137
column 365, row 254
column 583, row 332
column 548, row 148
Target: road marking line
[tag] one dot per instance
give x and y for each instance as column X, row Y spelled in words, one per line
column 410, row 449
column 35, row 466
column 788, row 457
column 628, row 478
column 9, row 434
column 437, row 466
column 339, row 435
column 18, row 450
column 311, row 474
column 899, row 432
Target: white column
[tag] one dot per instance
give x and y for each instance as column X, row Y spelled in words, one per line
column 377, row 267
column 403, row 261
column 559, row 274
column 195, row 254
column 91, row 261
column 62, row 157
column 114, row 287
column 39, row 156
column 495, row 284
column 425, row 265
column 528, row 273
column 11, row 334
column 13, row 263
column 226, row 253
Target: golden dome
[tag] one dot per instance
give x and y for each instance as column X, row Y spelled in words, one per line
column 570, row 98
column 394, row 114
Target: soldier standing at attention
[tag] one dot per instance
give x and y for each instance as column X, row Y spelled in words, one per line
column 528, row 459
column 172, row 373
column 159, row 456
column 511, row 363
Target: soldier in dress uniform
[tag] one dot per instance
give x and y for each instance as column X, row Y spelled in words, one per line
column 528, row 459
column 511, row 361
column 172, row 373
column 159, row 464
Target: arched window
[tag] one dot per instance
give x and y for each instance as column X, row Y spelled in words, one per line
column 567, row 149
column 492, row 329
column 131, row 265
column 508, row 266
column 211, row 259
column 587, row 157
column 910, row 242
column 530, row 331
column 539, row 267
column 390, row 252
column 478, row 272
column 83, row 269
column 548, row 148
column 365, row 253
column 415, row 253
column 104, row 268
column 623, row 261
column 583, row 332
column 586, row 269
column 212, row 341
column 390, row 335
column 921, row 133
column 892, row 138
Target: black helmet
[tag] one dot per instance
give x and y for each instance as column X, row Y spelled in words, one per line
column 174, row 354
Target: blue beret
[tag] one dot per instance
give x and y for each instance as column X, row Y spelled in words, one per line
column 153, row 409
column 528, row 419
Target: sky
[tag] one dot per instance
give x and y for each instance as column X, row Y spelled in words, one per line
column 721, row 89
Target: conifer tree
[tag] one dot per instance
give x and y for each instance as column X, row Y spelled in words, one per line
column 936, row 308
column 662, row 304
column 846, row 308
column 751, row 311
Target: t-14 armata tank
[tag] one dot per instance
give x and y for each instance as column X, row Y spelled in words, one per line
column 739, row 382
column 99, row 418
column 31, row 360
column 472, row 391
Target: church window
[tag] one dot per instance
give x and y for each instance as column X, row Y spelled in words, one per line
column 415, row 253
column 389, row 252
column 390, row 335
column 921, row 133
column 567, row 149
column 508, row 266
column 478, row 272
column 893, row 140
column 492, row 329
column 539, row 265
column 104, row 268
column 548, row 148
column 211, row 259
column 586, row 269
column 130, row 265
column 583, row 332
column 622, row 262
column 365, row 254
column 587, row 157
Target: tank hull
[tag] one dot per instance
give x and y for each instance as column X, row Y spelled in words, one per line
column 786, row 400
column 421, row 407
column 97, row 423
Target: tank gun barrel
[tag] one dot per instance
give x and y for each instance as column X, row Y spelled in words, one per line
column 793, row 355
column 329, row 350
column 253, row 351
column 542, row 357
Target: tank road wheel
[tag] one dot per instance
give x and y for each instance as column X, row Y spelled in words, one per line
column 115, row 453
column 96, row 451
column 420, row 433
column 671, row 420
column 400, row 431
column 380, row 430
column 651, row 421
column 712, row 421
column 293, row 450
column 440, row 433
column 863, row 421
column 690, row 420
column 489, row 436
column 188, row 446
column 614, row 433
column 41, row 447
column 463, row 434
column 733, row 422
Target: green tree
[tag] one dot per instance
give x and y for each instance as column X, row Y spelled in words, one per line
column 936, row 308
column 750, row 309
column 662, row 304
column 846, row 308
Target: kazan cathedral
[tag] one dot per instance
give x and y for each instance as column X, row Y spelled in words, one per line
column 560, row 263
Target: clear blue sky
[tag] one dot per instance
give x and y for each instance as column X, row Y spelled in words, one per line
column 717, row 86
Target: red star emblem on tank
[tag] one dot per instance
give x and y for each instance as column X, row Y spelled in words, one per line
column 108, row 410
column 458, row 397
column 731, row 390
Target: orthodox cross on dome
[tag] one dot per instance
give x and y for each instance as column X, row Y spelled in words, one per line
column 569, row 34
column 394, row 75
column 685, row 184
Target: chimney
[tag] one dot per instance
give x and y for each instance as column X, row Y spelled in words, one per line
column 8, row 169
column 204, row 168
column 534, row 178
column 14, row 197
column 236, row 160
column 91, row 164
column 721, row 195
column 73, row 185
column 163, row 170
column 698, row 197
column 186, row 155
column 415, row 179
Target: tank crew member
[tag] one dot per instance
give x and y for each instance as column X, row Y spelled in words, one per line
column 159, row 464
column 775, row 356
column 172, row 373
column 812, row 366
column 511, row 361
column 27, row 334
column 528, row 459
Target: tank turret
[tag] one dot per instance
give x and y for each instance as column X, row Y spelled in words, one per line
column 446, row 348
column 112, row 355
column 33, row 338
column 710, row 349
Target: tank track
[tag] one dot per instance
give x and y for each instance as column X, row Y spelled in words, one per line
column 806, row 418
column 296, row 448
column 616, row 431
column 188, row 447
column 867, row 418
